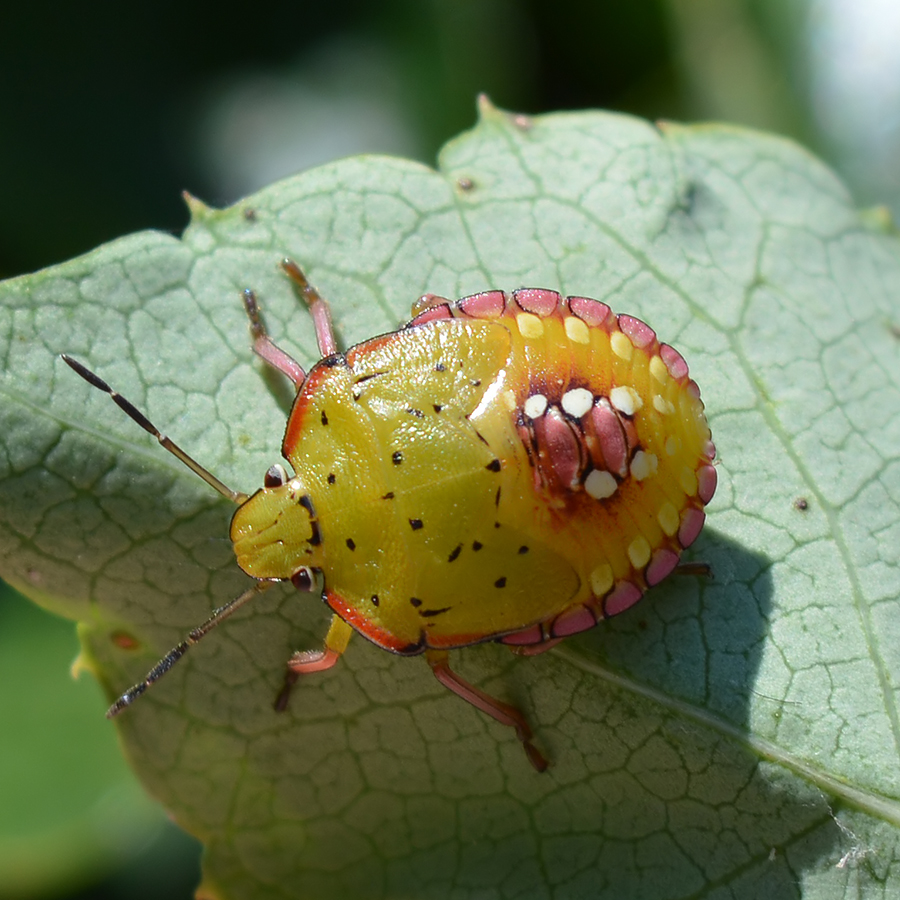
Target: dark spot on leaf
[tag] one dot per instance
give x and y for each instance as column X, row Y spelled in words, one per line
column 415, row 601
column 351, row 544
column 396, row 457
column 416, row 412
column 455, row 553
column 416, row 524
column 324, row 418
column 500, row 582
column 375, row 600
column 388, row 496
column 801, row 504
column 477, row 545
column 437, row 407
column 523, row 549
column 493, row 465
column 331, row 478
column 440, row 367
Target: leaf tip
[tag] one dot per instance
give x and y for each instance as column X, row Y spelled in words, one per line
column 878, row 219
column 197, row 208
column 487, row 112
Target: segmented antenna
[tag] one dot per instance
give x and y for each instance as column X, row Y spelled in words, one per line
column 172, row 657
column 136, row 415
column 237, row 497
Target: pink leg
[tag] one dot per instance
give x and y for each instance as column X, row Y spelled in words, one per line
column 305, row 662
column 318, row 307
column 534, row 649
column 502, row 712
column 693, row 568
column 264, row 347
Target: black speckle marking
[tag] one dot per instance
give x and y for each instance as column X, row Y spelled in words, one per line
column 477, row 545
column 415, row 601
column 476, row 382
column 331, row 478
column 415, row 412
column 425, row 613
column 455, row 553
column 437, row 407
column 497, row 498
column 316, row 536
column 416, row 524
column 396, row 457
column 801, row 504
column 481, row 438
column 363, row 378
column 440, row 367
column 351, row 544
column 388, row 496
column 500, row 582
column 375, row 600
column 522, row 550
column 306, row 502
column 324, row 418
column 493, row 465
column 335, row 360
column 496, row 524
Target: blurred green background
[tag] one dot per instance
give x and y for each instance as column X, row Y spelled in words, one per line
column 108, row 112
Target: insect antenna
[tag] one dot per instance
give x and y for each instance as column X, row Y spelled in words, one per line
column 172, row 657
column 136, row 415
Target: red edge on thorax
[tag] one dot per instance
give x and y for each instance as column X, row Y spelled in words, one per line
column 367, row 628
column 387, row 641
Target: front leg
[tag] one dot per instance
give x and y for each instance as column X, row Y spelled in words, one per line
column 304, row 662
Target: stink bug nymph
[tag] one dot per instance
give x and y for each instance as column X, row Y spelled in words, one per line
column 505, row 467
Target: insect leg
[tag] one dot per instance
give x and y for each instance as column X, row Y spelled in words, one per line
column 318, row 307
column 264, row 347
column 693, row 568
column 502, row 712
column 304, row 662
column 534, row 649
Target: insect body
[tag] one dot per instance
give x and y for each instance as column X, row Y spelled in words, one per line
column 504, row 467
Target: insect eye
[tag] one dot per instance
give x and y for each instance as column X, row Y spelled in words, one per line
column 275, row 477
column 307, row 580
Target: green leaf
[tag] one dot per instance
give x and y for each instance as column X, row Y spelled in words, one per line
column 736, row 737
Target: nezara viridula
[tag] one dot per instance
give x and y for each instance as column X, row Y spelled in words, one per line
column 504, row 467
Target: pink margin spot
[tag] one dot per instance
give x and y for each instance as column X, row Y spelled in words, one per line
column 691, row 525
column 532, row 635
column 623, row 597
column 573, row 620
column 486, row 305
column 707, row 478
column 591, row 312
column 674, row 361
column 641, row 334
column 430, row 315
column 661, row 565
column 541, row 302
